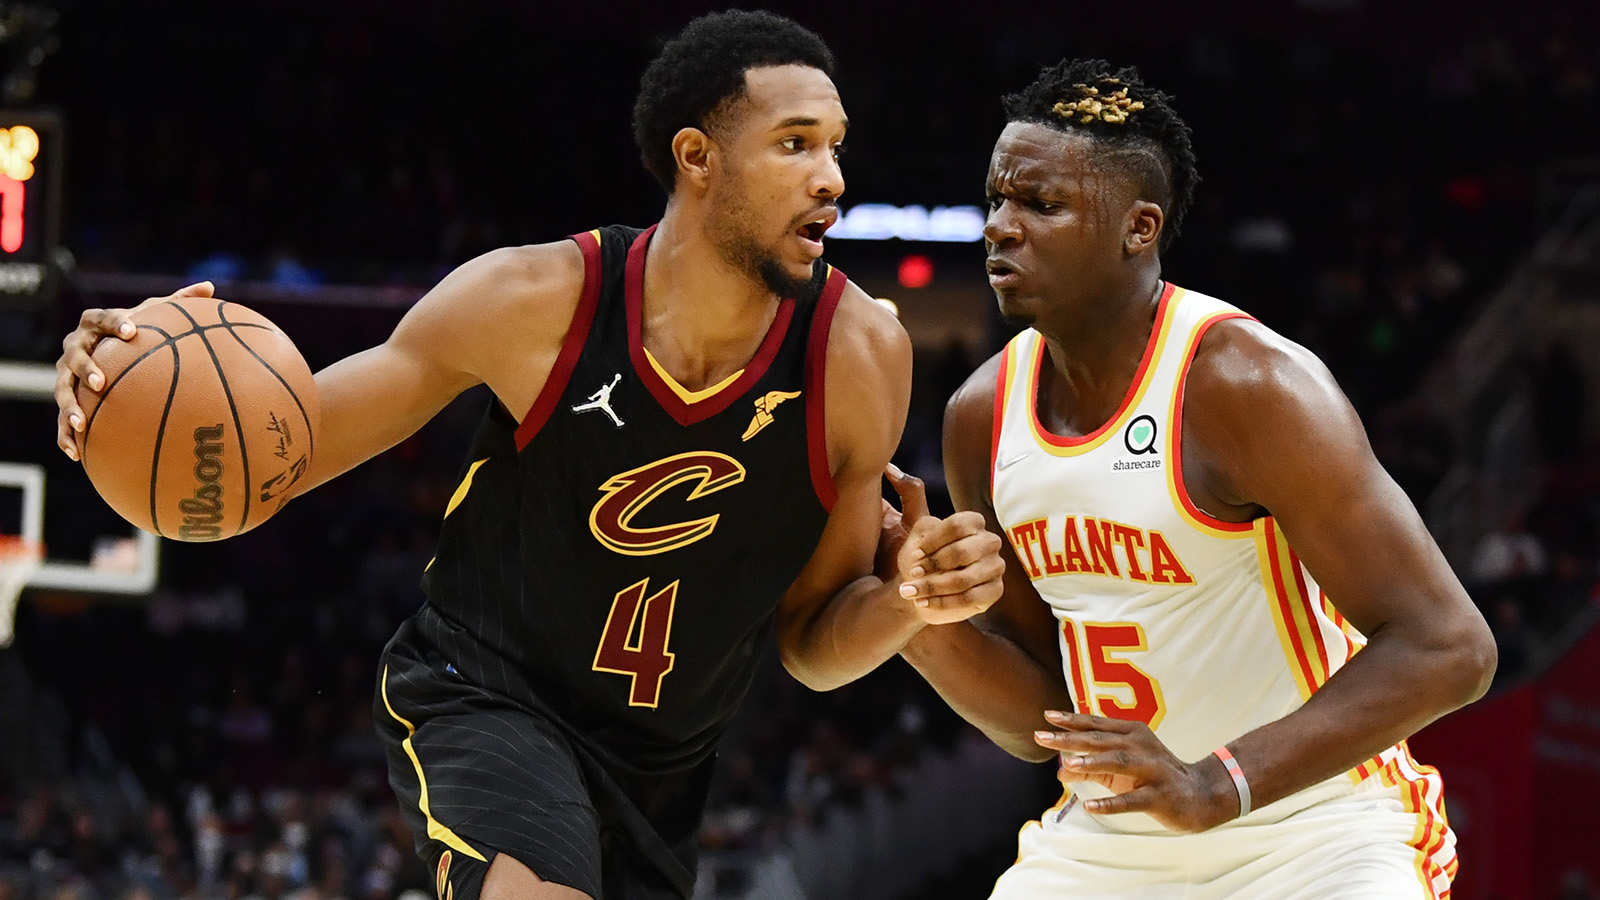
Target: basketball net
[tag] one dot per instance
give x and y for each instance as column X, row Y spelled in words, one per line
column 19, row 559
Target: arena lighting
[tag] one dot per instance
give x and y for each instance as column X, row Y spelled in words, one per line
column 883, row 221
column 916, row 271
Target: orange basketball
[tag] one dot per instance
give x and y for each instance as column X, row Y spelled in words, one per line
column 208, row 416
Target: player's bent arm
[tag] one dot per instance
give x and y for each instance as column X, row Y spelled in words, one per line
column 838, row 621
column 460, row 334
column 1000, row 671
column 1273, row 430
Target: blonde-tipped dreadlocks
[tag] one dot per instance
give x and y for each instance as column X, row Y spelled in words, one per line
column 1133, row 126
column 1113, row 107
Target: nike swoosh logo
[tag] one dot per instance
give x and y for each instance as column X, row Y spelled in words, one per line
column 1004, row 464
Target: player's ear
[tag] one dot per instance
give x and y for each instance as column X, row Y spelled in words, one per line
column 1144, row 227
column 692, row 149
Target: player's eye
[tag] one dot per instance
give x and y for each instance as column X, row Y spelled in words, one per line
column 793, row 144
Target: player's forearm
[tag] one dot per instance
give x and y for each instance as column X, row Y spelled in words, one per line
column 369, row 404
column 864, row 625
column 1405, row 678
column 991, row 682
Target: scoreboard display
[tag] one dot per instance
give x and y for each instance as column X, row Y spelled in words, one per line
column 30, row 207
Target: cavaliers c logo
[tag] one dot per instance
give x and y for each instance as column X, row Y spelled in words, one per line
column 447, row 891
column 627, row 494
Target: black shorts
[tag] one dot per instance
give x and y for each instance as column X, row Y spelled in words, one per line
column 477, row 774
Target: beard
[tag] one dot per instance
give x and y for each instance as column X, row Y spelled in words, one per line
column 801, row 290
column 733, row 231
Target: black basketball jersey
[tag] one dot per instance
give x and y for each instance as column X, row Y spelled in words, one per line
column 615, row 559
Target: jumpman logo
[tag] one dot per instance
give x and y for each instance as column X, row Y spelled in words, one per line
column 601, row 400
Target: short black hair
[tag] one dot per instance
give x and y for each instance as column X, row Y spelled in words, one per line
column 1134, row 122
column 703, row 69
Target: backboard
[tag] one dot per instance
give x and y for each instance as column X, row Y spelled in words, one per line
column 46, row 498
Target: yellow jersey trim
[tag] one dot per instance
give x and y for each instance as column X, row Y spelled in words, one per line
column 684, row 393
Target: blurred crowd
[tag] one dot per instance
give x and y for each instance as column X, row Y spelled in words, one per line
column 1363, row 197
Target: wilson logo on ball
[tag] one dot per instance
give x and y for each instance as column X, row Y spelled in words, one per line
column 202, row 513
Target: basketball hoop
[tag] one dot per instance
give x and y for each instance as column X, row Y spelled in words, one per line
column 19, row 559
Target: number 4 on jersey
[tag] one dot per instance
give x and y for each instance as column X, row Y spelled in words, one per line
column 635, row 640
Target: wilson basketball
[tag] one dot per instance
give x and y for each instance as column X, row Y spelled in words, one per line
column 208, row 417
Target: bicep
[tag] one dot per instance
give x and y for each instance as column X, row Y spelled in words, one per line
column 1358, row 533
column 1289, row 441
column 868, row 390
column 1020, row 615
column 443, row 345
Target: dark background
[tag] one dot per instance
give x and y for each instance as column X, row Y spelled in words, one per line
column 1370, row 176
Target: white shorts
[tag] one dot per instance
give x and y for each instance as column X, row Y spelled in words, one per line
column 1371, row 844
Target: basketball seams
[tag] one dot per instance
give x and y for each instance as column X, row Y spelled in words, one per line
column 169, row 342
column 161, row 432
column 238, row 427
column 137, row 475
column 311, row 439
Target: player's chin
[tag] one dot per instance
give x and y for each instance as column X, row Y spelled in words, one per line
column 1017, row 308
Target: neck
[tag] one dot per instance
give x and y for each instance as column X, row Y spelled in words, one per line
column 702, row 318
column 1093, row 356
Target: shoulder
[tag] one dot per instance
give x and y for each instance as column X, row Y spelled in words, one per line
column 866, row 341
column 867, row 383
column 537, row 276
column 863, row 325
column 520, row 297
column 1243, row 366
column 969, row 435
column 974, row 400
column 1264, row 416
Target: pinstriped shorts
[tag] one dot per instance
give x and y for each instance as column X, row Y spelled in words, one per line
column 477, row 774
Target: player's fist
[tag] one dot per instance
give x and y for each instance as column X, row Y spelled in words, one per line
column 949, row 569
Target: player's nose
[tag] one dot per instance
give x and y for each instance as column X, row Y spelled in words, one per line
column 829, row 178
column 1002, row 226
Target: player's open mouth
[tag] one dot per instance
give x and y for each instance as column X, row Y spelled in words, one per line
column 1001, row 274
column 812, row 230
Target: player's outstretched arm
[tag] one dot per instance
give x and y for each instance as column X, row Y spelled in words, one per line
column 457, row 336
column 498, row 319
column 1000, row 670
column 1267, row 431
column 839, row 620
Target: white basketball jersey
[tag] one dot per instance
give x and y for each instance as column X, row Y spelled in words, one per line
column 1200, row 628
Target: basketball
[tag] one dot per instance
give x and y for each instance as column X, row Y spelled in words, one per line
column 207, row 419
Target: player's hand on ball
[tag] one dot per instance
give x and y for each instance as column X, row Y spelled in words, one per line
column 1127, row 758
column 950, row 569
column 76, row 364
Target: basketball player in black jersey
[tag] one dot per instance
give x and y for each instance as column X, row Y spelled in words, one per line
column 685, row 452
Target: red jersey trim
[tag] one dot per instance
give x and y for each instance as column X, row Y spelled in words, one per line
column 668, row 399
column 1175, row 431
column 572, row 345
column 1158, row 330
column 816, row 381
column 1002, row 390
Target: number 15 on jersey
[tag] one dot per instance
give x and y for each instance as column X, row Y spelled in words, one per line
column 1115, row 687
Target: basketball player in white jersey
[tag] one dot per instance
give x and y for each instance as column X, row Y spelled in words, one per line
column 1232, row 613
